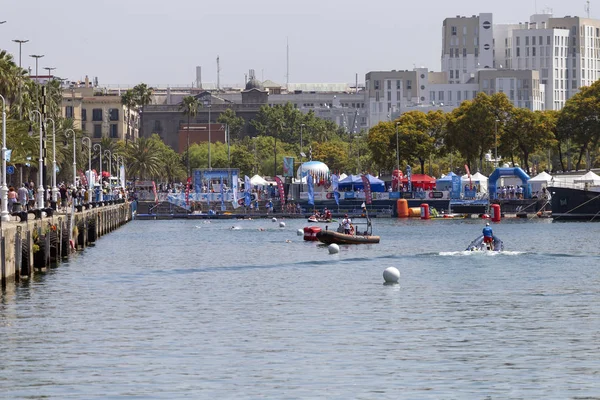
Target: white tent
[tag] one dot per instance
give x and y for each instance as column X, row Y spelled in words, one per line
column 476, row 179
column 258, row 180
column 590, row 178
column 540, row 181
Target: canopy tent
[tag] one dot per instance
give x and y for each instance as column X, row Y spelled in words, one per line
column 445, row 182
column 354, row 182
column 318, row 169
column 258, row 180
column 477, row 179
column 590, row 178
column 539, row 181
column 343, row 176
column 423, row 181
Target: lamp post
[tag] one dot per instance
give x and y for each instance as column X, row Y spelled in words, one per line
column 209, row 158
column 98, row 147
column 40, row 189
column 21, row 42
column 120, row 164
column 67, row 135
column 397, row 148
column 88, row 142
column 37, row 79
column 108, row 153
column 4, row 189
column 301, row 143
column 54, row 188
column 496, row 144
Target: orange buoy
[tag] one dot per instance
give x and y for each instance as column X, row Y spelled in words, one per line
column 402, row 208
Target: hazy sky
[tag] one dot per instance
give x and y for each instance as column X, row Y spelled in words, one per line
column 162, row 41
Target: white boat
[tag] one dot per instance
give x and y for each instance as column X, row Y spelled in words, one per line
column 479, row 245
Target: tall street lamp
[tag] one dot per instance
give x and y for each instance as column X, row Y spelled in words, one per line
column 4, row 189
column 98, row 147
column 68, row 134
column 397, row 148
column 209, row 157
column 37, row 58
column 40, row 189
column 49, row 69
column 301, row 143
column 54, row 188
column 88, row 142
column 496, row 143
column 21, row 42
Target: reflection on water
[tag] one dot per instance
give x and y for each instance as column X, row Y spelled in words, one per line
column 173, row 309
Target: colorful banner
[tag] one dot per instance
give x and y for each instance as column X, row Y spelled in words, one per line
column 367, row 189
column 187, row 191
column 335, row 181
column 234, row 189
column 311, row 189
column 154, row 191
column 222, row 195
column 409, row 177
column 469, row 175
column 247, row 189
column 455, row 193
column 288, row 167
column 8, row 155
column 281, row 189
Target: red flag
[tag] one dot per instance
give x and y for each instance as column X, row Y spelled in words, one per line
column 154, row 191
column 367, row 188
column 281, row 191
column 187, row 191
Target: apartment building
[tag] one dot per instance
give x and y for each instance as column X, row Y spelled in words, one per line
column 99, row 114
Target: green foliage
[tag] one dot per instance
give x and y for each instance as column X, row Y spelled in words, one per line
column 235, row 124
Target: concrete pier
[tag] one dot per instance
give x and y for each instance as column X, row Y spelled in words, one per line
column 36, row 244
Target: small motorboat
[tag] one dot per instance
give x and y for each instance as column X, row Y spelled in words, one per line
column 310, row 233
column 356, row 237
column 479, row 245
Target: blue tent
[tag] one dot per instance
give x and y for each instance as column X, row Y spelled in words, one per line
column 354, row 182
column 445, row 183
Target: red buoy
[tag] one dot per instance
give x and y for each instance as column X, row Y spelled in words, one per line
column 495, row 211
column 425, row 211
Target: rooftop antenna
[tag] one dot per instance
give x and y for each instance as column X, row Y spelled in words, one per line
column 218, row 74
column 287, row 57
column 587, row 8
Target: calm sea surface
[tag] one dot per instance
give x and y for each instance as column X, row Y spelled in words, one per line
column 186, row 309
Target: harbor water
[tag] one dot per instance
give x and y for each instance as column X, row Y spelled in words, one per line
column 247, row 309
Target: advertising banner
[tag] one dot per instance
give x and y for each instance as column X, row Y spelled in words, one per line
column 288, row 167
column 281, row 189
column 367, row 189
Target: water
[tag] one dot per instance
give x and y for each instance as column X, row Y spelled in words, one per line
column 186, row 309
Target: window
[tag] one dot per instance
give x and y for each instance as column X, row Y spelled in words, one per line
column 377, row 96
column 431, row 95
column 518, row 41
column 97, row 130
column 533, row 40
column 441, row 95
column 526, row 40
column 533, row 51
column 518, row 52
column 83, row 114
column 548, row 41
column 458, row 92
column 389, row 95
column 97, row 114
column 83, row 127
column 453, row 31
column 464, row 30
column 114, row 114
column 69, row 112
column 389, row 84
column 408, row 84
column 114, row 131
column 526, row 51
column 377, row 85
column 449, row 95
column 474, row 94
column 464, row 52
column 398, row 84
column 476, row 51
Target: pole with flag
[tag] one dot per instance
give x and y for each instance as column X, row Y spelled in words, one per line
column 335, row 181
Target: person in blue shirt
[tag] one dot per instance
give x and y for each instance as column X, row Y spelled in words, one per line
column 488, row 235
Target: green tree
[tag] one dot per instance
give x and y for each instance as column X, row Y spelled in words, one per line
column 128, row 100
column 234, row 123
column 142, row 97
column 189, row 106
column 144, row 158
column 381, row 141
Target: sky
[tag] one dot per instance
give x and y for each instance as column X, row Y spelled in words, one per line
column 158, row 42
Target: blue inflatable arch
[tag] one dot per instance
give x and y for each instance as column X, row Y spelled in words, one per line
column 499, row 172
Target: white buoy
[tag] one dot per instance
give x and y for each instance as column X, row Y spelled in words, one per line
column 282, row 224
column 333, row 248
column 274, row 219
column 391, row 275
column 299, row 232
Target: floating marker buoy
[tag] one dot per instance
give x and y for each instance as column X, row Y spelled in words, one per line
column 299, row 232
column 391, row 275
column 333, row 248
column 274, row 219
column 282, row 224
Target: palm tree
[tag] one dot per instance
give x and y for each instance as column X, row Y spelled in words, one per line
column 144, row 159
column 142, row 96
column 128, row 100
column 8, row 76
column 189, row 106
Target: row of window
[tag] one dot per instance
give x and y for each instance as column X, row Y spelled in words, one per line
column 377, row 84
column 113, row 114
column 113, row 130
